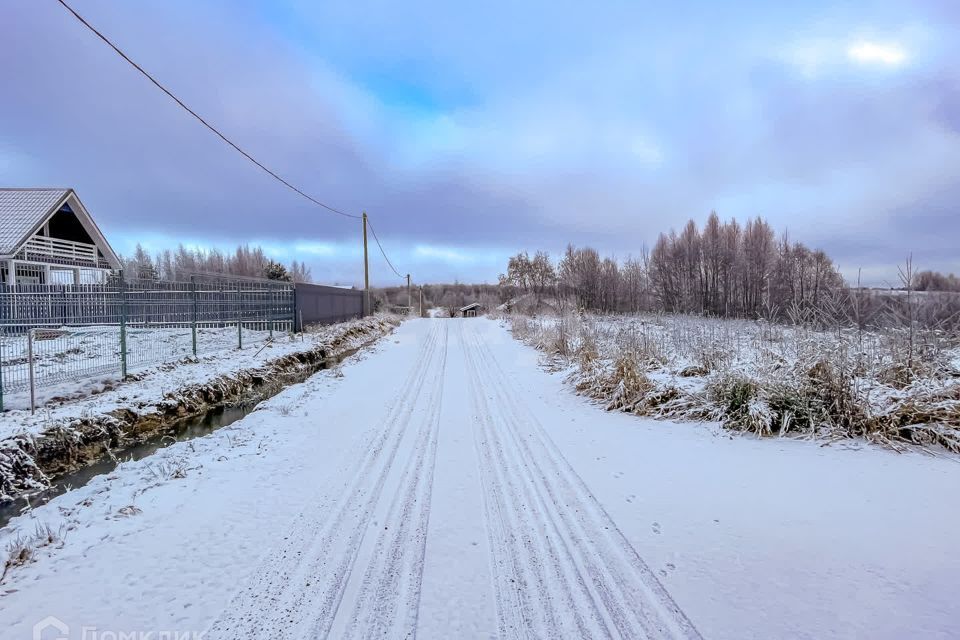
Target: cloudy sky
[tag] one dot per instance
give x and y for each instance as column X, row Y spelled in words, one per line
column 471, row 130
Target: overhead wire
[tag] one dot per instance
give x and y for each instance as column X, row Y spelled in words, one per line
column 209, row 126
column 377, row 240
column 223, row 137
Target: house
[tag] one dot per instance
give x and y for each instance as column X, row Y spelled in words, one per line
column 471, row 310
column 48, row 237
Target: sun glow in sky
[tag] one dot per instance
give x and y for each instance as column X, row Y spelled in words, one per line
column 889, row 54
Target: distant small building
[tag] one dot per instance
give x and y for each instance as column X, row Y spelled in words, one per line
column 48, row 237
column 470, row 311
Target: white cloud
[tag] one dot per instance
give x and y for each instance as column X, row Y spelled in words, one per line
column 317, row 248
column 867, row 52
column 439, row 253
column 457, row 255
column 816, row 56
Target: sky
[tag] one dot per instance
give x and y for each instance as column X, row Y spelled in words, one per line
column 470, row 131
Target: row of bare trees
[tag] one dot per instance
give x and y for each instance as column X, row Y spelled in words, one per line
column 245, row 261
column 935, row 281
column 724, row 269
column 727, row 269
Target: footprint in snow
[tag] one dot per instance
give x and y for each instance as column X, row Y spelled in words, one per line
column 631, row 497
column 656, row 527
column 618, row 474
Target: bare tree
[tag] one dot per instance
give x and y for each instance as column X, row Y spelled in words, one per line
column 906, row 274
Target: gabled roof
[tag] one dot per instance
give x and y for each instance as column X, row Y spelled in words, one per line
column 24, row 211
column 472, row 305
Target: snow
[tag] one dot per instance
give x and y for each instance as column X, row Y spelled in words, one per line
column 684, row 367
column 490, row 491
column 97, row 395
column 66, row 356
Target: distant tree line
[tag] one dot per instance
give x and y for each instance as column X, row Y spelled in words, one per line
column 178, row 265
column 450, row 297
column 934, row 281
column 724, row 269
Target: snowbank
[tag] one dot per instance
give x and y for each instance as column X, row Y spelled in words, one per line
column 70, row 433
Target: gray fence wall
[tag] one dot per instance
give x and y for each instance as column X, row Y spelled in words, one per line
column 201, row 300
column 317, row 304
column 52, row 335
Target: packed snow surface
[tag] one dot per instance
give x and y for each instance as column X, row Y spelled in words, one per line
column 442, row 485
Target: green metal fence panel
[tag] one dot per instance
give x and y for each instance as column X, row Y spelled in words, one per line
column 86, row 331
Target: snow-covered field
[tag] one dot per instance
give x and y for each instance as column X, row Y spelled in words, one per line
column 889, row 386
column 447, row 486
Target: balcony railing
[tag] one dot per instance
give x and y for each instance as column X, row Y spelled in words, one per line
column 44, row 249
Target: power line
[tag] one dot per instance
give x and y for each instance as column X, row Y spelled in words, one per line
column 373, row 231
column 216, row 131
column 209, row 126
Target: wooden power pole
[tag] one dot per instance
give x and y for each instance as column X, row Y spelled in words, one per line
column 409, row 297
column 366, row 270
column 421, row 301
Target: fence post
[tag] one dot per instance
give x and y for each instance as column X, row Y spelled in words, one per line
column 295, row 312
column 239, row 330
column 1, row 376
column 193, row 295
column 33, row 392
column 123, row 328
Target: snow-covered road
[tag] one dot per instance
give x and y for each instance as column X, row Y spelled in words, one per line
column 447, row 487
column 354, row 564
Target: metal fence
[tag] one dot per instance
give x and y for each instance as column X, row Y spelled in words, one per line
column 53, row 334
column 319, row 304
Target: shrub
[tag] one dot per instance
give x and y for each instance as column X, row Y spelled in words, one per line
column 761, row 377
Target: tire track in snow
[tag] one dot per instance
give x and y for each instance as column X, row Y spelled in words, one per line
column 535, row 590
column 394, row 575
column 297, row 591
column 614, row 593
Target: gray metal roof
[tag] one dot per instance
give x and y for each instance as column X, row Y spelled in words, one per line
column 22, row 211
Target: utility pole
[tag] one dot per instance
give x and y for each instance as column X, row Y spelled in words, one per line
column 421, row 301
column 366, row 270
column 409, row 298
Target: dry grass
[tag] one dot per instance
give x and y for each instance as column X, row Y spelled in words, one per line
column 22, row 549
column 760, row 377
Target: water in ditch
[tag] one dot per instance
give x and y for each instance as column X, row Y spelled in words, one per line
column 212, row 420
column 200, row 426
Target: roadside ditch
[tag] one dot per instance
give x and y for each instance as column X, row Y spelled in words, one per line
column 36, row 468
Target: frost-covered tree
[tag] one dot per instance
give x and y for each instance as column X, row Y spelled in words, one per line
column 722, row 269
column 276, row 271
